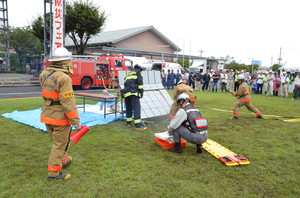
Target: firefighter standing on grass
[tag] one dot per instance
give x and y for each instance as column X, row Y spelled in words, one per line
column 133, row 91
column 112, row 76
column 179, row 89
column 244, row 98
column 59, row 110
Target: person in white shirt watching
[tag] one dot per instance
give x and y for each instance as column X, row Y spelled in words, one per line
column 284, row 81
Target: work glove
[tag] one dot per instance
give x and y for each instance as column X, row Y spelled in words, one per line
column 142, row 93
column 77, row 126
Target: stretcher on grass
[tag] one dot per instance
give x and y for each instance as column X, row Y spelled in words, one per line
column 229, row 158
column 225, row 155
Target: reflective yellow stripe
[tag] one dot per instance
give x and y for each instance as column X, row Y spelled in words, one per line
column 128, row 119
column 130, row 94
column 141, row 87
column 130, row 77
column 137, row 121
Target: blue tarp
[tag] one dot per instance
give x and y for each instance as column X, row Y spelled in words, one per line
column 32, row 117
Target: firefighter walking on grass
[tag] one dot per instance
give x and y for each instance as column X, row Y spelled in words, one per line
column 133, row 91
column 59, row 110
column 244, row 98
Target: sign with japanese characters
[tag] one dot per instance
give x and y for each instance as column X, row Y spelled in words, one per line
column 58, row 14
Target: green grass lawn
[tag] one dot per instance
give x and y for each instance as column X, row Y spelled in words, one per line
column 115, row 161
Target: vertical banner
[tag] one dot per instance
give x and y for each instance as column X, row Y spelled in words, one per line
column 58, row 33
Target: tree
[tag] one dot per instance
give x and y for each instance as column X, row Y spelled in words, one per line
column 82, row 22
column 186, row 63
column 275, row 67
column 37, row 27
column 25, row 43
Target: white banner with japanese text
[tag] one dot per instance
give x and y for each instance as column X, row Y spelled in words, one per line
column 58, row 32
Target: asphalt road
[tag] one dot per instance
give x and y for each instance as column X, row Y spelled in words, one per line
column 33, row 91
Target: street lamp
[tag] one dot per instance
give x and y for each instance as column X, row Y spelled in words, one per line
column 162, row 54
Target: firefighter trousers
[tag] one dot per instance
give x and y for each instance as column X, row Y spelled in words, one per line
column 60, row 138
column 239, row 103
column 111, row 84
column 133, row 105
column 194, row 138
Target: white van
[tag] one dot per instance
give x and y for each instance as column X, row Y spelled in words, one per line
column 141, row 61
column 198, row 64
column 172, row 66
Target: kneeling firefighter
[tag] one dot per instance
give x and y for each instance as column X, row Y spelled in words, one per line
column 188, row 124
column 244, row 98
column 182, row 88
column 59, row 110
column 133, row 91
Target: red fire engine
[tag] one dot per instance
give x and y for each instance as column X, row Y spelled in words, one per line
column 94, row 70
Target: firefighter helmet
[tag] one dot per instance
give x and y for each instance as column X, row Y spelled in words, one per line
column 60, row 54
column 180, row 82
column 241, row 77
column 182, row 97
column 138, row 67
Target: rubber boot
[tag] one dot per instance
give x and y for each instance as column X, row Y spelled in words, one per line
column 176, row 149
column 199, row 148
column 59, row 177
column 129, row 124
column 67, row 163
column 234, row 118
column 138, row 126
column 259, row 117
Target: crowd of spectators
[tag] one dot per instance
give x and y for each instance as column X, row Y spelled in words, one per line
column 268, row 83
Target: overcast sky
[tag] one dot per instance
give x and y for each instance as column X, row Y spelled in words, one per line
column 243, row 29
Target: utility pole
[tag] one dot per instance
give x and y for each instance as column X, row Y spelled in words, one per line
column 271, row 62
column 280, row 59
column 201, row 51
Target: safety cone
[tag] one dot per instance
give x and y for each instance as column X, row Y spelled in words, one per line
column 75, row 137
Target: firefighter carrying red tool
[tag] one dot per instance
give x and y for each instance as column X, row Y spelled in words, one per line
column 59, row 110
column 244, row 98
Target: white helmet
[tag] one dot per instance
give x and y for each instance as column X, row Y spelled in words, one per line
column 180, row 82
column 60, row 54
column 182, row 97
column 241, row 77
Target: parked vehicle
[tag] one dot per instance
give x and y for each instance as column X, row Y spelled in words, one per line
column 168, row 66
column 93, row 70
column 198, row 64
column 141, row 61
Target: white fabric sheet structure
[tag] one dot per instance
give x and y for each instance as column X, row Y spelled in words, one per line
column 156, row 100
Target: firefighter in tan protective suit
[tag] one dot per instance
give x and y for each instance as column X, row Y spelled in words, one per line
column 111, row 80
column 179, row 89
column 59, row 111
column 244, row 98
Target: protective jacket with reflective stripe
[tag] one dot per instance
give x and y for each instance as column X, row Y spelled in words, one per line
column 243, row 93
column 133, row 84
column 182, row 88
column 60, row 106
column 195, row 123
